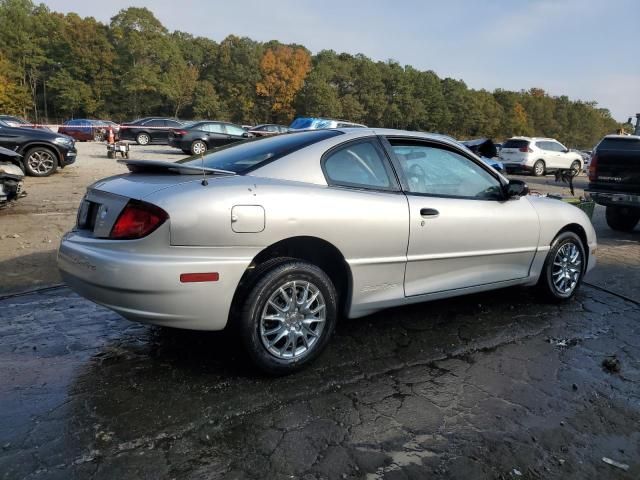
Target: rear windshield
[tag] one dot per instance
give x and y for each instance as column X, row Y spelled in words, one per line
column 516, row 144
column 629, row 144
column 248, row 155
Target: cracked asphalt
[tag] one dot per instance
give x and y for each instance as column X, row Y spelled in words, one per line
column 497, row 385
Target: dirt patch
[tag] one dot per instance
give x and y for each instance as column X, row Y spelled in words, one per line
column 31, row 229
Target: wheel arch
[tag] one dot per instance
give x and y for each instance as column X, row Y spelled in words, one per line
column 314, row 250
column 581, row 233
column 28, row 146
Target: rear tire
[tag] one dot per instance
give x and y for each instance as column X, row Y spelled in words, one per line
column 143, row 139
column 40, row 162
column 564, row 268
column 622, row 219
column 198, row 147
column 539, row 168
column 281, row 331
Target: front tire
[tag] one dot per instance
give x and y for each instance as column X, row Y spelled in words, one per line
column 288, row 316
column 40, row 162
column 576, row 167
column 539, row 168
column 564, row 268
column 143, row 139
column 622, row 219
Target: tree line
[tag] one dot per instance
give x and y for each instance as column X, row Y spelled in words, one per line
column 55, row 66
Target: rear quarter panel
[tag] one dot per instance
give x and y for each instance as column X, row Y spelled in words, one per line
column 369, row 228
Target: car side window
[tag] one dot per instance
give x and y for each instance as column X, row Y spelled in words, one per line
column 432, row 170
column 542, row 145
column 559, row 147
column 213, row 128
column 154, row 123
column 360, row 165
column 233, row 130
column 172, row 124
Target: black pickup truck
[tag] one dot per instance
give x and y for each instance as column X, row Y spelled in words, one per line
column 614, row 180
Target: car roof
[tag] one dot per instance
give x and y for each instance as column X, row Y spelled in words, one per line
column 532, row 138
column 625, row 137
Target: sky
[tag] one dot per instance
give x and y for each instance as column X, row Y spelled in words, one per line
column 586, row 49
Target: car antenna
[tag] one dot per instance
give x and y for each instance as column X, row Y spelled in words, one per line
column 204, row 182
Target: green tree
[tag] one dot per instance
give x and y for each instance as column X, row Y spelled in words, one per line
column 179, row 84
column 207, row 104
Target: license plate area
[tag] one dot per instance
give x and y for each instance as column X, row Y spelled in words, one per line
column 87, row 215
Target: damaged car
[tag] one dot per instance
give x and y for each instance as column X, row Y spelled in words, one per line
column 11, row 176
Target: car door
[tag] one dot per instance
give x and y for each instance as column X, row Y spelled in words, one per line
column 234, row 133
column 370, row 216
column 154, row 128
column 546, row 153
column 563, row 157
column 462, row 233
column 216, row 135
column 10, row 137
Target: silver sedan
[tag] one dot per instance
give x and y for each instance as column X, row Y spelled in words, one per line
column 281, row 236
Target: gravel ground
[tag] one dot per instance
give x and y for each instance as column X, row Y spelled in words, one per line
column 30, row 230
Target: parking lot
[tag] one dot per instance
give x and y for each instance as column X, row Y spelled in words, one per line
column 497, row 385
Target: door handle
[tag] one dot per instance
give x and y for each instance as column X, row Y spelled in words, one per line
column 429, row 212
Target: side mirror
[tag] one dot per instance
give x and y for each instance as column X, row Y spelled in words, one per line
column 517, row 188
column 246, row 135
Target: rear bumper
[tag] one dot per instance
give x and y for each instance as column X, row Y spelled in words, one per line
column 147, row 288
column 517, row 167
column 613, row 199
column 176, row 143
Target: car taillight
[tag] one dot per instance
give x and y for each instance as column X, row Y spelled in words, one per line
column 525, row 150
column 593, row 168
column 180, row 132
column 137, row 220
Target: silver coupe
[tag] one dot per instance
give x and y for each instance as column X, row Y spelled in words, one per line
column 279, row 237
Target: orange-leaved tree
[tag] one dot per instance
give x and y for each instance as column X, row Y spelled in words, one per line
column 283, row 70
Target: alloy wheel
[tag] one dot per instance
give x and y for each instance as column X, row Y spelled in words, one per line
column 41, row 162
column 567, row 268
column 143, row 139
column 292, row 320
column 198, row 148
column 575, row 166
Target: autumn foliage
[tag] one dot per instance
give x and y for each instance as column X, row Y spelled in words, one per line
column 284, row 70
column 57, row 66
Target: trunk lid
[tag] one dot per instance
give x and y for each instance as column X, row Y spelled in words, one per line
column 105, row 199
column 618, row 164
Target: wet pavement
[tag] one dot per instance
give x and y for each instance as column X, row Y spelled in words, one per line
column 498, row 385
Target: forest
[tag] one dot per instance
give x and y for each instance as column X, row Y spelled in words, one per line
column 55, row 67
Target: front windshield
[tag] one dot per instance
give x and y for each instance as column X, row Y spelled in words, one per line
column 309, row 123
column 242, row 157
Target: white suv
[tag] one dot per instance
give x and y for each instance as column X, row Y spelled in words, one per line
column 538, row 155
